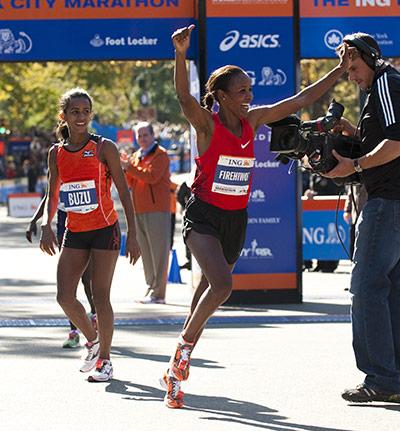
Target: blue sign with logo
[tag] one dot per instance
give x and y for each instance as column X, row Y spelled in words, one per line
column 319, row 37
column 85, row 39
column 261, row 47
column 270, row 245
column 320, row 238
column 19, row 146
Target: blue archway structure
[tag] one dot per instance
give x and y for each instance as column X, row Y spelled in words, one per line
column 266, row 38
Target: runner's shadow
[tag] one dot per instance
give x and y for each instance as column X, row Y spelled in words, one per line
column 221, row 409
column 17, row 282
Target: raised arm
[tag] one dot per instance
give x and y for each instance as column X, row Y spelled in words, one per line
column 199, row 117
column 279, row 110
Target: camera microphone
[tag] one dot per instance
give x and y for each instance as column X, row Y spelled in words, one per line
column 324, row 124
column 283, row 159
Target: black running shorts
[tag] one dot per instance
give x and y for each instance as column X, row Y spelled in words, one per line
column 107, row 238
column 228, row 226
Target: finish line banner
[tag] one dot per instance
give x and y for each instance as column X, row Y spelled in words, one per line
column 59, row 30
column 94, row 9
column 349, row 8
column 320, row 37
column 114, row 39
column 324, row 23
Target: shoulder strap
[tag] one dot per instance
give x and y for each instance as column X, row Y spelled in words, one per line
column 99, row 141
column 56, row 146
column 95, row 138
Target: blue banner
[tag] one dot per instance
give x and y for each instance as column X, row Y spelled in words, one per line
column 19, row 146
column 270, row 245
column 117, row 39
column 320, row 239
column 263, row 47
column 319, row 37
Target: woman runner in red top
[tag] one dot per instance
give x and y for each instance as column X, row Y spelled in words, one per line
column 81, row 170
column 215, row 217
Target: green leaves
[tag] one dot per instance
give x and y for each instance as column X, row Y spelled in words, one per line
column 344, row 92
column 29, row 92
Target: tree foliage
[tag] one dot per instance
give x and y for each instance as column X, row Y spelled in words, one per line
column 344, row 92
column 29, row 92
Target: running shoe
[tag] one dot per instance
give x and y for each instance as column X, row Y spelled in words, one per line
column 93, row 319
column 181, row 362
column 73, row 340
column 89, row 356
column 164, row 384
column 365, row 394
column 172, row 398
column 152, row 300
column 102, row 372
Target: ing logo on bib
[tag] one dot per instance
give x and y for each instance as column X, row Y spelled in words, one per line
column 79, row 197
column 233, row 175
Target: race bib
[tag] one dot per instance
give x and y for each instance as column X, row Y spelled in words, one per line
column 79, row 197
column 232, row 176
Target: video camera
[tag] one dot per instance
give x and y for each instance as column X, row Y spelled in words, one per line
column 294, row 139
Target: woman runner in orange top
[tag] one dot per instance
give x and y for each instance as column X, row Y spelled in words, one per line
column 82, row 167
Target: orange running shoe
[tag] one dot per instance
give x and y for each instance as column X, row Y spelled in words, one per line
column 164, row 384
column 181, row 362
column 172, row 398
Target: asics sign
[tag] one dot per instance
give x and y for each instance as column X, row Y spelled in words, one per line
column 234, row 37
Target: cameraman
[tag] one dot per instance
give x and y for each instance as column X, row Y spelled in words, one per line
column 375, row 278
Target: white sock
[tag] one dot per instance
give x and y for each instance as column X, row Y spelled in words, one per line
column 181, row 340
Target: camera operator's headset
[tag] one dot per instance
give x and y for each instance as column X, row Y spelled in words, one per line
column 369, row 54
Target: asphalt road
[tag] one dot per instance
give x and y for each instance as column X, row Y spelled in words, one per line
column 275, row 367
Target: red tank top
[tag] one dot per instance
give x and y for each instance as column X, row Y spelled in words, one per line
column 85, row 188
column 224, row 172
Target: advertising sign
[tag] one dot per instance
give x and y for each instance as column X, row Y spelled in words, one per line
column 246, row 8
column 125, row 137
column 261, row 46
column 88, row 39
column 258, row 45
column 349, row 8
column 324, row 23
column 23, row 205
column 19, row 145
column 94, row 9
column 320, row 238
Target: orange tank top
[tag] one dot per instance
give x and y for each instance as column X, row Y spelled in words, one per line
column 85, row 187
